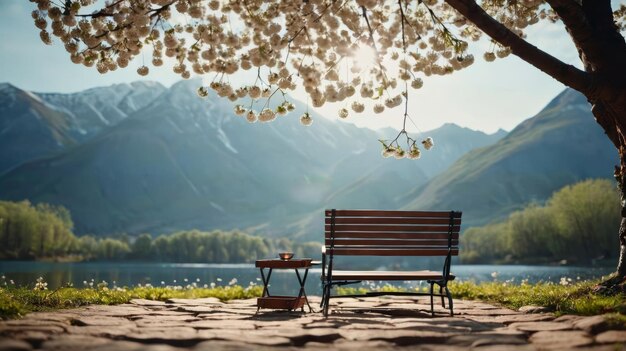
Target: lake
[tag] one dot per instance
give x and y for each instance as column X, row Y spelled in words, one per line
column 158, row 274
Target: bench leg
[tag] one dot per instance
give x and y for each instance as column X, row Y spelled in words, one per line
column 443, row 303
column 450, row 301
column 432, row 305
column 326, row 300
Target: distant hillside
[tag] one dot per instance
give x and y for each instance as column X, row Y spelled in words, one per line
column 93, row 110
column 182, row 162
column 29, row 128
column 34, row 125
column 561, row 145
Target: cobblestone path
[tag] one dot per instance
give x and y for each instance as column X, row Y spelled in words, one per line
column 381, row 323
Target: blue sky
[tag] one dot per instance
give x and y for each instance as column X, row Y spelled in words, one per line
column 486, row 96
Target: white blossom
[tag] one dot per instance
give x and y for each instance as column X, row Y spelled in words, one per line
column 343, row 113
column 306, row 119
column 428, row 143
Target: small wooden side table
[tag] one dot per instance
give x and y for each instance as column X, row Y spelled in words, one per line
column 284, row 302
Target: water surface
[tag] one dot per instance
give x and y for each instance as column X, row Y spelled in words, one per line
column 282, row 281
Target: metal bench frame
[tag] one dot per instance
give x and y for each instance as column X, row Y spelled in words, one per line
column 330, row 250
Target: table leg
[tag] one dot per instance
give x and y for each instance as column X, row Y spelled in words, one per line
column 266, row 281
column 302, row 292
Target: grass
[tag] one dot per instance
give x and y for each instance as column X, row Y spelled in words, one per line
column 17, row 301
column 571, row 298
column 565, row 298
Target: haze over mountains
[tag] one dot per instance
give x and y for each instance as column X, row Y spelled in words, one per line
column 561, row 145
column 158, row 160
column 144, row 158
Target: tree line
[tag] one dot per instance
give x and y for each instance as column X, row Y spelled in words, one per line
column 42, row 231
column 576, row 225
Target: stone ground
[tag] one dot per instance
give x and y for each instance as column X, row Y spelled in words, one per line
column 381, row 323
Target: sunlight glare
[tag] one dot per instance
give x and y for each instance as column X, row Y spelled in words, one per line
column 365, row 55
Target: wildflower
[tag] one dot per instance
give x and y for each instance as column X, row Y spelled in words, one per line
column 212, row 285
column 494, row 275
column 162, row 282
column 564, row 281
column 232, row 281
column 40, row 284
column 219, row 279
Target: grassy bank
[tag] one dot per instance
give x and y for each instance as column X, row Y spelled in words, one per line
column 17, row 301
column 565, row 298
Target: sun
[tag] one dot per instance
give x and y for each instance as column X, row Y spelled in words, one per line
column 365, row 55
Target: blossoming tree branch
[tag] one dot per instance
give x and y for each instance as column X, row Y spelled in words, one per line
column 340, row 50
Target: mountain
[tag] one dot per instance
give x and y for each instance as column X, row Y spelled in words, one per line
column 29, row 128
column 181, row 162
column 34, row 125
column 561, row 145
column 386, row 183
column 93, row 110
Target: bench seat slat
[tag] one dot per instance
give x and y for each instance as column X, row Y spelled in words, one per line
column 374, row 220
column 385, row 213
column 385, row 235
column 394, row 252
column 392, row 242
column 389, row 275
column 392, row 228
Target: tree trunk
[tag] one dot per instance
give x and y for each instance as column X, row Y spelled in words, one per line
column 612, row 119
column 620, row 177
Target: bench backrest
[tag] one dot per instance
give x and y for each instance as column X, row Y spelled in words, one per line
column 392, row 233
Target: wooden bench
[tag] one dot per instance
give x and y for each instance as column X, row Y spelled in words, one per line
column 389, row 233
